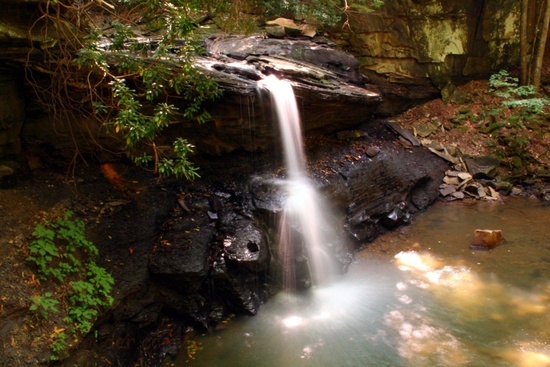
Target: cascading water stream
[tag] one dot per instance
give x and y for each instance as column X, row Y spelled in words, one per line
column 304, row 212
column 440, row 305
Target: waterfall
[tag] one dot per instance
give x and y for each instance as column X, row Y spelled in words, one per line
column 305, row 233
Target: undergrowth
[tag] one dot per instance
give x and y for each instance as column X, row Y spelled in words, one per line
column 63, row 256
column 510, row 125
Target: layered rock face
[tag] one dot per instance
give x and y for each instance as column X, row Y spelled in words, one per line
column 327, row 82
column 410, row 49
column 407, row 50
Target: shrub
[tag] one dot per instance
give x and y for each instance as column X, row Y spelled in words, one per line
column 522, row 112
column 62, row 253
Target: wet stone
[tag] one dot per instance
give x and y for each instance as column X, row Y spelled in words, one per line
column 246, row 246
column 179, row 258
column 486, row 239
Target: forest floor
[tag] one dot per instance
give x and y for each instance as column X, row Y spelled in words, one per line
column 472, row 121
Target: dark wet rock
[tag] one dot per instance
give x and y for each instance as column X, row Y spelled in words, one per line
column 397, row 217
column 180, row 256
column 245, row 245
column 321, row 55
column 267, row 195
column 373, row 151
column 194, row 307
column 162, row 343
column 240, row 291
column 381, row 191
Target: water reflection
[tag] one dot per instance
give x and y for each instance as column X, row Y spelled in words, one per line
column 435, row 304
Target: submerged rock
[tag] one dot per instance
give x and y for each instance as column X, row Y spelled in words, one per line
column 486, row 239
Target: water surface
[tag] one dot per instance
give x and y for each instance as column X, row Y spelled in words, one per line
column 435, row 303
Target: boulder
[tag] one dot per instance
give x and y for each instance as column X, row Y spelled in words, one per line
column 282, row 27
column 244, row 245
column 180, row 256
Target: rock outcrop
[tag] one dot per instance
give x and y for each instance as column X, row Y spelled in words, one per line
column 407, row 50
column 222, row 238
column 327, row 83
column 411, row 49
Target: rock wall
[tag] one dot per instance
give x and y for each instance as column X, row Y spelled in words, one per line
column 408, row 49
column 411, row 48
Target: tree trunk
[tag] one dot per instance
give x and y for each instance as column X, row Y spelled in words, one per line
column 541, row 46
column 524, row 44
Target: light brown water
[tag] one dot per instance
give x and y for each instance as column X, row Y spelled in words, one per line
column 436, row 304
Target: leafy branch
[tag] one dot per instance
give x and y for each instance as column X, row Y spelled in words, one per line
column 117, row 76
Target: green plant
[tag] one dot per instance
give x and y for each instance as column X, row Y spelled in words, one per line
column 522, row 110
column 139, row 115
column 59, row 345
column 87, row 296
column 129, row 84
column 524, row 97
column 61, row 252
column 463, row 115
column 58, row 245
column 44, row 304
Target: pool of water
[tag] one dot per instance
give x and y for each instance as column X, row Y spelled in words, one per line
column 428, row 301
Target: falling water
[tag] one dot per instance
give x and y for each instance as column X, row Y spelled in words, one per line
column 441, row 305
column 304, row 212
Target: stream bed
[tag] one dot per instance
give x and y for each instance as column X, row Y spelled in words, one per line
column 416, row 297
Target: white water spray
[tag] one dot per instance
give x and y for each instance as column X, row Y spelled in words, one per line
column 304, row 211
